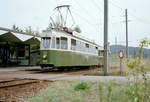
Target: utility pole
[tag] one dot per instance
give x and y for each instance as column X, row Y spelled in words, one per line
column 105, row 37
column 126, row 15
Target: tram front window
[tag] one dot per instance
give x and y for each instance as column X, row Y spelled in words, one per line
column 45, row 43
column 64, row 44
column 53, row 42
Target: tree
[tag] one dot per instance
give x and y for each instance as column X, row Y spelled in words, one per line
column 14, row 27
column 29, row 30
column 77, row 29
column 54, row 24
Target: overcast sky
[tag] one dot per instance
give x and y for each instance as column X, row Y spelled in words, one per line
column 88, row 14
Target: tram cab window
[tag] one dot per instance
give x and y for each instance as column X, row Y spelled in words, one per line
column 45, row 43
column 73, row 44
column 53, row 42
column 57, row 43
column 64, row 43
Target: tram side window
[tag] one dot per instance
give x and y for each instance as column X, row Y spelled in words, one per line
column 53, row 42
column 83, row 47
column 96, row 50
column 57, row 43
column 90, row 48
column 87, row 47
column 73, row 44
column 78, row 46
column 46, row 42
column 64, row 44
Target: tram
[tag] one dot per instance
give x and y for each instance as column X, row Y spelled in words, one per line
column 61, row 48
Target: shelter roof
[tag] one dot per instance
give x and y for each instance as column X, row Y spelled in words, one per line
column 7, row 35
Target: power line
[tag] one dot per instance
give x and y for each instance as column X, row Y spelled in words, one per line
column 138, row 18
column 87, row 22
column 82, row 8
column 116, row 5
column 96, row 5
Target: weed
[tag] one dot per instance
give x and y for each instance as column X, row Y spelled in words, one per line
column 100, row 87
column 138, row 88
column 81, row 86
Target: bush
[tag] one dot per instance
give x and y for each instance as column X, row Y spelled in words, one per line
column 81, row 86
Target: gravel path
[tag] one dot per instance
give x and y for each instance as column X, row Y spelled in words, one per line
column 16, row 73
column 20, row 72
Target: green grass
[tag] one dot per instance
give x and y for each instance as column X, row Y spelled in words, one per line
column 65, row 91
column 82, row 86
column 110, row 73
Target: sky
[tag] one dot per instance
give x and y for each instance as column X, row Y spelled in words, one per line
column 88, row 15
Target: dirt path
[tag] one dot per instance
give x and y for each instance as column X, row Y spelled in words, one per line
column 36, row 73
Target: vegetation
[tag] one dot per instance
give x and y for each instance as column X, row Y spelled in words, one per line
column 64, row 91
column 28, row 30
column 14, row 27
column 138, row 89
column 77, row 29
column 81, row 86
column 34, row 47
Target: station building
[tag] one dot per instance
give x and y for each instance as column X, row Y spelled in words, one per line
column 15, row 48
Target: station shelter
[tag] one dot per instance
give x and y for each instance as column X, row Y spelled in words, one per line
column 15, row 48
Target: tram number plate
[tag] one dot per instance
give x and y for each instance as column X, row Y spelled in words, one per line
column 44, row 61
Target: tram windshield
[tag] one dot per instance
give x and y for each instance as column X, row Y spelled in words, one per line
column 45, row 43
column 64, row 44
column 53, row 42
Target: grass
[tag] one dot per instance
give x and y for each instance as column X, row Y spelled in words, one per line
column 76, row 91
column 81, row 86
column 65, row 91
column 114, row 68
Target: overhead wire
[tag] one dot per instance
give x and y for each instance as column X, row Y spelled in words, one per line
column 138, row 18
column 84, row 9
column 84, row 19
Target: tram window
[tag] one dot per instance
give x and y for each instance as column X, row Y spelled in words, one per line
column 53, row 42
column 90, row 48
column 87, row 45
column 83, row 47
column 73, row 44
column 96, row 50
column 46, row 42
column 64, row 44
column 57, row 43
column 79, row 45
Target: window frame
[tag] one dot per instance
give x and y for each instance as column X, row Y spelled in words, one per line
column 66, row 44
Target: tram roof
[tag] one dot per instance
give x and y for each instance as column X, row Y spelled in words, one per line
column 8, row 35
column 48, row 33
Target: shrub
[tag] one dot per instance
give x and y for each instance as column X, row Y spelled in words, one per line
column 81, row 86
column 137, row 87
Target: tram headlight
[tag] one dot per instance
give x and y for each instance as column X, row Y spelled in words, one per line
column 44, row 56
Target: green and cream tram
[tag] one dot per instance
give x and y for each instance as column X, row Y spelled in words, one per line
column 62, row 49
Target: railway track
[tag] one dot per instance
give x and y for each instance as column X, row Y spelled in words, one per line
column 16, row 82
